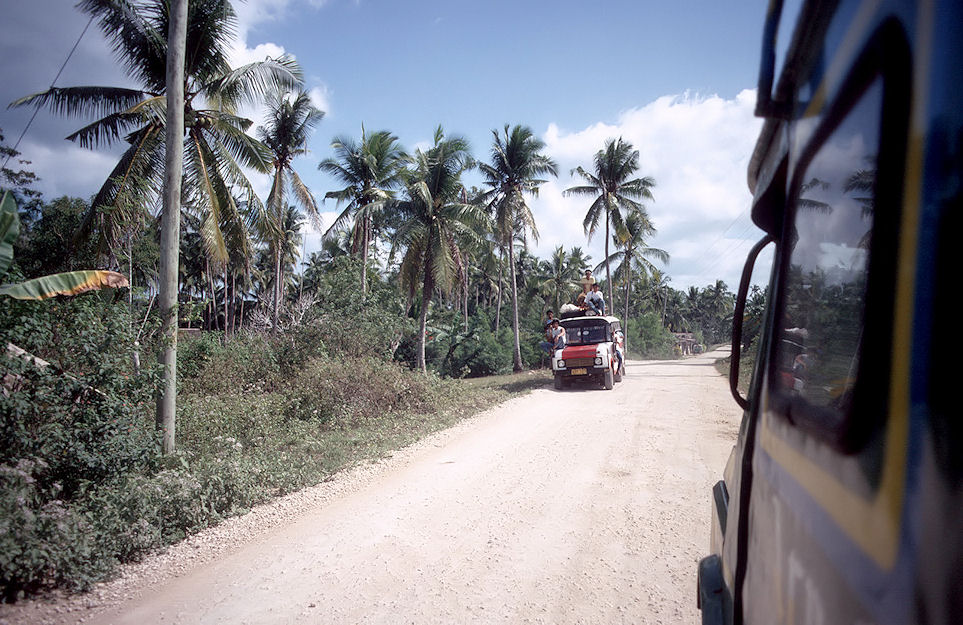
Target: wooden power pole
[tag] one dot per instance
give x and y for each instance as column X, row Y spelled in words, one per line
column 171, row 221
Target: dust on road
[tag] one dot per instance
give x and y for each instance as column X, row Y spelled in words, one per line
column 574, row 506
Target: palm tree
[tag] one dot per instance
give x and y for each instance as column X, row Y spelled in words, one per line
column 615, row 192
column 578, row 262
column 436, row 217
column 289, row 246
column 516, row 164
column 371, row 172
column 290, row 119
column 559, row 279
column 635, row 252
column 216, row 145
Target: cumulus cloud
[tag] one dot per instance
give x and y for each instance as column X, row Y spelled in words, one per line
column 240, row 54
column 697, row 149
column 321, row 98
column 68, row 169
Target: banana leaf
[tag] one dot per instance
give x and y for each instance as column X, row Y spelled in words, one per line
column 69, row 283
column 9, row 230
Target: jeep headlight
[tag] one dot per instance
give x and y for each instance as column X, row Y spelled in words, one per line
column 561, row 363
column 598, row 360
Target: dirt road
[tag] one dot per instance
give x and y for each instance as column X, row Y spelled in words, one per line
column 575, row 506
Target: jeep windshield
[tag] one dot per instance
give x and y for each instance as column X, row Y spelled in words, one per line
column 586, row 331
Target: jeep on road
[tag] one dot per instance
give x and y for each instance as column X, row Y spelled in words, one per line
column 594, row 351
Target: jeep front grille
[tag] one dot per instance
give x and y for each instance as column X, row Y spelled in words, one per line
column 571, row 363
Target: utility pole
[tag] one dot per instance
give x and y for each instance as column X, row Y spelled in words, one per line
column 171, row 222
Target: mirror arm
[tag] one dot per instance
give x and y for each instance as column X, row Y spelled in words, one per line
column 737, row 320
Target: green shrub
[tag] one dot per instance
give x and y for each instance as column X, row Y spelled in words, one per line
column 477, row 353
column 247, row 362
column 326, row 390
column 195, row 353
column 85, row 419
column 83, row 485
column 43, row 543
column 647, row 338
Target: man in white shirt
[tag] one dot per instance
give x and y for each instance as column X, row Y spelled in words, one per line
column 595, row 300
column 558, row 334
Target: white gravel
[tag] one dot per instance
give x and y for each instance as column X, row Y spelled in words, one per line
column 579, row 506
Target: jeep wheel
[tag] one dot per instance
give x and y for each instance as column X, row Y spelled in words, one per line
column 558, row 383
column 608, row 379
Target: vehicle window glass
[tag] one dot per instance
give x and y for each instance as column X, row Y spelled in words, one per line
column 818, row 351
column 585, row 334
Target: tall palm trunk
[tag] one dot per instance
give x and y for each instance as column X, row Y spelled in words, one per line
column 625, row 319
column 608, row 276
column 426, row 289
column 240, row 322
column 170, row 223
column 277, row 289
column 214, row 321
column 498, row 288
column 517, row 364
column 365, row 230
column 227, row 321
column 233, row 302
column 628, row 286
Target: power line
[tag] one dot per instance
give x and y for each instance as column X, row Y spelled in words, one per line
column 709, row 259
column 52, row 83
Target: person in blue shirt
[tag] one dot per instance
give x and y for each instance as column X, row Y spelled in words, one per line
column 549, row 339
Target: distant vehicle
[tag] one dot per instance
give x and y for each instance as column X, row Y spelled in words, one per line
column 842, row 500
column 594, row 352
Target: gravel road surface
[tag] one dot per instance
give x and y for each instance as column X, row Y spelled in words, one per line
column 574, row 506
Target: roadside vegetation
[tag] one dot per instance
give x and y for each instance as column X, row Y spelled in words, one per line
column 421, row 302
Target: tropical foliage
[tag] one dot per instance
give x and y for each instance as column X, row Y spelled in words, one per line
column 371, row 171
column 616, row 193
column 70, row 283
column 516, row 165
column 436, row 219
column 286, row 362
column 290, row 120
column 216, row 146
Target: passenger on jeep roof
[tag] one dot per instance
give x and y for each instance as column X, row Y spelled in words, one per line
column 595, row 300
column 587, row 282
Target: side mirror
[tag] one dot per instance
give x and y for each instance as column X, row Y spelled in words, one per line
column 737, row 316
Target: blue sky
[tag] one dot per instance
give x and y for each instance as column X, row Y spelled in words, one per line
column 676, row 79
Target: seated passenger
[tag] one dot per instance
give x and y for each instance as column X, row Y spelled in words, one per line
column 547, row 326
column 558, row 333
column 582, row 303
column 595, row 300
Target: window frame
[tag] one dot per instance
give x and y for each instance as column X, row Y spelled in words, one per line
column 886, row 57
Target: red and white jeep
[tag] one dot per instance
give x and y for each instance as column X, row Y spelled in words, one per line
column 594, row 351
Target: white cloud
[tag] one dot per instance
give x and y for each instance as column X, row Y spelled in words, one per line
column 240, row 54
column 697, row 149
column 321, row 98
column 68, row 169
column 253, row 12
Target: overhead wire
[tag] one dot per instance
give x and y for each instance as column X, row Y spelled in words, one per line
column 36, row 108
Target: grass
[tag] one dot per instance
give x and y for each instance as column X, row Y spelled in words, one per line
column 243, row 439
column 513, row 383
column 293, row 438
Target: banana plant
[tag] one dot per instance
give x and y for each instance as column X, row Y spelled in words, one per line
column 68, row 283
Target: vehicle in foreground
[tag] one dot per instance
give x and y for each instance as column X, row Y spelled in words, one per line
column 594, row 352
column 842, row 500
